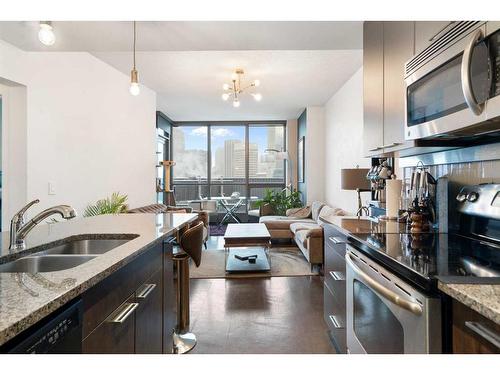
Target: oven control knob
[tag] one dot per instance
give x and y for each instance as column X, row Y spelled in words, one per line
column 472, row 196
column 461, row 197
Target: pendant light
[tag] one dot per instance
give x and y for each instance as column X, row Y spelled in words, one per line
column 46, row 33
column 134, row 81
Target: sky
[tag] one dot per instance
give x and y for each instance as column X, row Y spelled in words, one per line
column 196, row 137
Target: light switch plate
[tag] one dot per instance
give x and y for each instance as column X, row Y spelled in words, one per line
column 52, row 188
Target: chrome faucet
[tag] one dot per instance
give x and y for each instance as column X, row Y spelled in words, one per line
column 19, row 229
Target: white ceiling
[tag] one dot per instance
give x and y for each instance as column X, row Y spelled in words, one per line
column 189, row 84
column 298, row 63
column 188, row 35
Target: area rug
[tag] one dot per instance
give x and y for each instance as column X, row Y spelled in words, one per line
column 284, row 262
column 217, row 230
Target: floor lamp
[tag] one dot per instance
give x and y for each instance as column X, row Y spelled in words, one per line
column 283, row 155
column 355, row 179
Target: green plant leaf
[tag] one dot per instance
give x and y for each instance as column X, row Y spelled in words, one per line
column 281, row 201
column 112, row 205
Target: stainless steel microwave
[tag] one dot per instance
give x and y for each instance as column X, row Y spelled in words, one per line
column 453, row 86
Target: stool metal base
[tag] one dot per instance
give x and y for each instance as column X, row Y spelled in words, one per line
column 184, row 343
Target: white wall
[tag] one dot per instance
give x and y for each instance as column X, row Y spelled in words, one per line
column 14, row 149
column 315, row 154
column 343, row 140
column 85, row 132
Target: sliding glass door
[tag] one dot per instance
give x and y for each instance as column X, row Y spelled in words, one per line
column 236, row 161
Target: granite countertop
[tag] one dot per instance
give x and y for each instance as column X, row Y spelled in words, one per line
column 485, row 299
column 27, row 298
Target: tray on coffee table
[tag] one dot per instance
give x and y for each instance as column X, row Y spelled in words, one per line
column 250, row 259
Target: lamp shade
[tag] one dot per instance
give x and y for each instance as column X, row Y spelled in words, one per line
column 355, row 178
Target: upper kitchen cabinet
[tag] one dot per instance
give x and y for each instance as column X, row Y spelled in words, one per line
column 373, row 87
column 398, row 49
column 427, row 32
column 386, row 48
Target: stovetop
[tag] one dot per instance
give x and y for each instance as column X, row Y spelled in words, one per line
column 427, row 257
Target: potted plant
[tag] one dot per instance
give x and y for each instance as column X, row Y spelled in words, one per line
column 278, row 202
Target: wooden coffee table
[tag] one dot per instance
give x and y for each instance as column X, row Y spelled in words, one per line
column 256, row 239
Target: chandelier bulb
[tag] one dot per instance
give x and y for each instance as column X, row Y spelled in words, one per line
column 236, row 88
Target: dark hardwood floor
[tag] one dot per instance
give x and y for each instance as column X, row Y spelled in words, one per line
column 268, row 315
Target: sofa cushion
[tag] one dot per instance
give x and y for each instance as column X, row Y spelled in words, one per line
column 301, row 238
column 315, row 209
column 297, row 226
column 328, row 211
column 281, row 222
column 300, row 213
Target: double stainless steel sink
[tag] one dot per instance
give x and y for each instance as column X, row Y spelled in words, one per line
column 69, row 254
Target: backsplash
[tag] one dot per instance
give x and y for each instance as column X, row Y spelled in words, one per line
column 458, row 175
column 464, row 173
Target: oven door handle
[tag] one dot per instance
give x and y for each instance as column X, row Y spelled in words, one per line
column 395, row 298
column 466, row 78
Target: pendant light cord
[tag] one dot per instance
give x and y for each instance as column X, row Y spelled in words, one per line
column 134, row 44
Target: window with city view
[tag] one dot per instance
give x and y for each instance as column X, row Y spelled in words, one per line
column 236, row 156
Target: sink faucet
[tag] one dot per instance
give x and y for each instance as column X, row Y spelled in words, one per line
column 19, row 229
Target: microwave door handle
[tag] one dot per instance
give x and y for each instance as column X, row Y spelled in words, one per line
column 395, row 298
column 466, row 78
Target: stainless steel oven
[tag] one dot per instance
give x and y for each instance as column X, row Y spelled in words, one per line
column 453, row 86
column 385, row 315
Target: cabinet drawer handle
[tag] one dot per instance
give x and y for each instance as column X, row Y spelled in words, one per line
column 337, row 240
column 335, row 322
column 146, row 290
column 484, row 332
column 123, row 312
column 337, row 276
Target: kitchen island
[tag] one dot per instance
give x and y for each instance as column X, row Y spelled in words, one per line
column 27, row 298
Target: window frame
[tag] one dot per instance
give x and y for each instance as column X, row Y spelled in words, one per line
column 247, row 124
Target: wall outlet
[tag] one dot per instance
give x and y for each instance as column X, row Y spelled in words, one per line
column 52, row 188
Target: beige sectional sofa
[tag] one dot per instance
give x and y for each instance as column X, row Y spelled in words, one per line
column 304, row 227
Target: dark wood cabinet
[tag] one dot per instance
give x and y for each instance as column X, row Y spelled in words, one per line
column 334, row 296
column 473, row 333
column 115, row 335
column 169, row 298
column 148, row 316
column 126, row 312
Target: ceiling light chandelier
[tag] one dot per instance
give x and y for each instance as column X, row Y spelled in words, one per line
column 235, row 88
column 46, row 33
column 134, row 81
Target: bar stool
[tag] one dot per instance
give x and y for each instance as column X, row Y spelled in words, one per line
column 190, row 247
